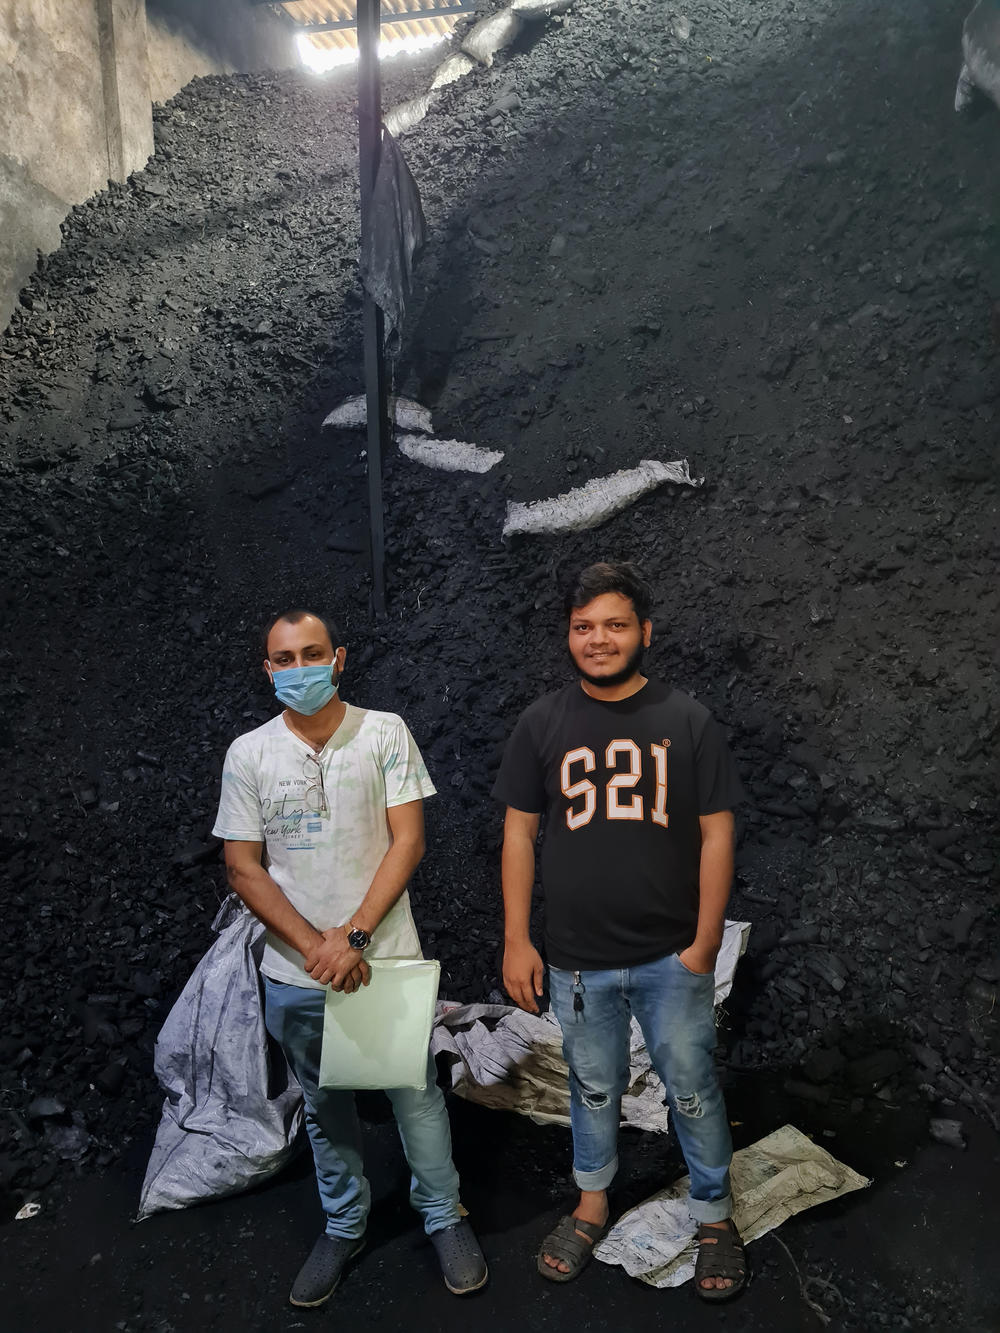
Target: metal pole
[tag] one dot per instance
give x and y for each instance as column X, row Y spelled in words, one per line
column 370, row 145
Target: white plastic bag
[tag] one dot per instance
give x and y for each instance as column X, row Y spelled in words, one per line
column 233, row 1108
column 377, row 1036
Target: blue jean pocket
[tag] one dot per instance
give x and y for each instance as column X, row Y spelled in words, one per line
column 689, row 971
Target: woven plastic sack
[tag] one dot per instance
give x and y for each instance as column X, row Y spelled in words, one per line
column 981, row 55
column 455, row 67
column 233, row 1109
column 403, row 117
column 491, row 35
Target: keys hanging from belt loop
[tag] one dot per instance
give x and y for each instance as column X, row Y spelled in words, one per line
column 578, row 989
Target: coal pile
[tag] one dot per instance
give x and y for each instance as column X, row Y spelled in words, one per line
column 721, row 238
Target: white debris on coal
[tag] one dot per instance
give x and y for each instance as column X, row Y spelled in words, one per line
column 980, row 54
column 491, row 35
column 454, row 68
column 404, row 411
column 449, row 455
column 589, row 505
column 775, row 1178
column 407, row 114
column 411, row 416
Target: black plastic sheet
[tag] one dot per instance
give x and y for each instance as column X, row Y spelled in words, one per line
column 391, row 246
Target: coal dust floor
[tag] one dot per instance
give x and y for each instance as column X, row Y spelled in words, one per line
column 886, row 1257
column 765, row 244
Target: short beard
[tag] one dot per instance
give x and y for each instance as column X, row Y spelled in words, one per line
column 619, row 677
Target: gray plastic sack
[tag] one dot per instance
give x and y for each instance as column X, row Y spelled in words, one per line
column 233, row 1108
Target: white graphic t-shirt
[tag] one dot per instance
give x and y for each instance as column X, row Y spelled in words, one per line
column 324, row 862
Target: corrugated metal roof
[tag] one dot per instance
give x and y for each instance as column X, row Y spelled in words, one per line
column 331, row 23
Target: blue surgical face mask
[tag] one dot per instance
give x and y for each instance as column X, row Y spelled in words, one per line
column 305, row 689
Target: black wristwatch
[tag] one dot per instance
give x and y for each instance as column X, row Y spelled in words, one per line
column 356, row 937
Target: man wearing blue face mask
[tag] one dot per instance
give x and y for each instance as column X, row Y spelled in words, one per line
column 335, row 794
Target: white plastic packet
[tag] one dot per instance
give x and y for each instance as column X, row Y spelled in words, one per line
column 378, row 1036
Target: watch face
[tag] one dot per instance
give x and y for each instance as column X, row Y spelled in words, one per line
column 358, row 939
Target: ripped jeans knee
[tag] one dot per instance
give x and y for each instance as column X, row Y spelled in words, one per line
column 596, row 1098
column 689, row 1106
column 594, row 1101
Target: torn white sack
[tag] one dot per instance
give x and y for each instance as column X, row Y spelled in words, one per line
column 450, row 70
column 404, row 411
column 980, row 54
column 449, row 455
column 504, row 1058
column 403, row 117
column 491, row 35
column 775, row 1178
column 591, row 504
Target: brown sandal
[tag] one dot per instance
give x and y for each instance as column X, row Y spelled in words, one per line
column 563, row 1244
column 725, row 1259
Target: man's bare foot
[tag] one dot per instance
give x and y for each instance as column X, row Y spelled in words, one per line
column 593, row 1207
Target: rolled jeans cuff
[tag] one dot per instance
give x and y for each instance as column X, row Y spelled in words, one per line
column 595, row 1181
column 711, row 1210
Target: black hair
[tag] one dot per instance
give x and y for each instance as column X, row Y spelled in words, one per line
column 622, row 577
column 294, row 617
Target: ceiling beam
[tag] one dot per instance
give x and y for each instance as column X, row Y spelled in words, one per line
column 389, row 19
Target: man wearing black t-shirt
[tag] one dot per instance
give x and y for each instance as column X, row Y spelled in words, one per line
column 637, row 785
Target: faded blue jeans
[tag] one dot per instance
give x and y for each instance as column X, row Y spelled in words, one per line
column 294, row 1017
column 675, row 1010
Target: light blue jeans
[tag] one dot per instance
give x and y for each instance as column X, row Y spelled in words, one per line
column 675, row 1010
column 294, row 1017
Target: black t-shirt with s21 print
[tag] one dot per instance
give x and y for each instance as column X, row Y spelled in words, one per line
column 621, row 785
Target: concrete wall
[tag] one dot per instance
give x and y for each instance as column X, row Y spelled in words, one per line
column 77, row 83
column 124, row 79
column 173, row 61
column 188, row 38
